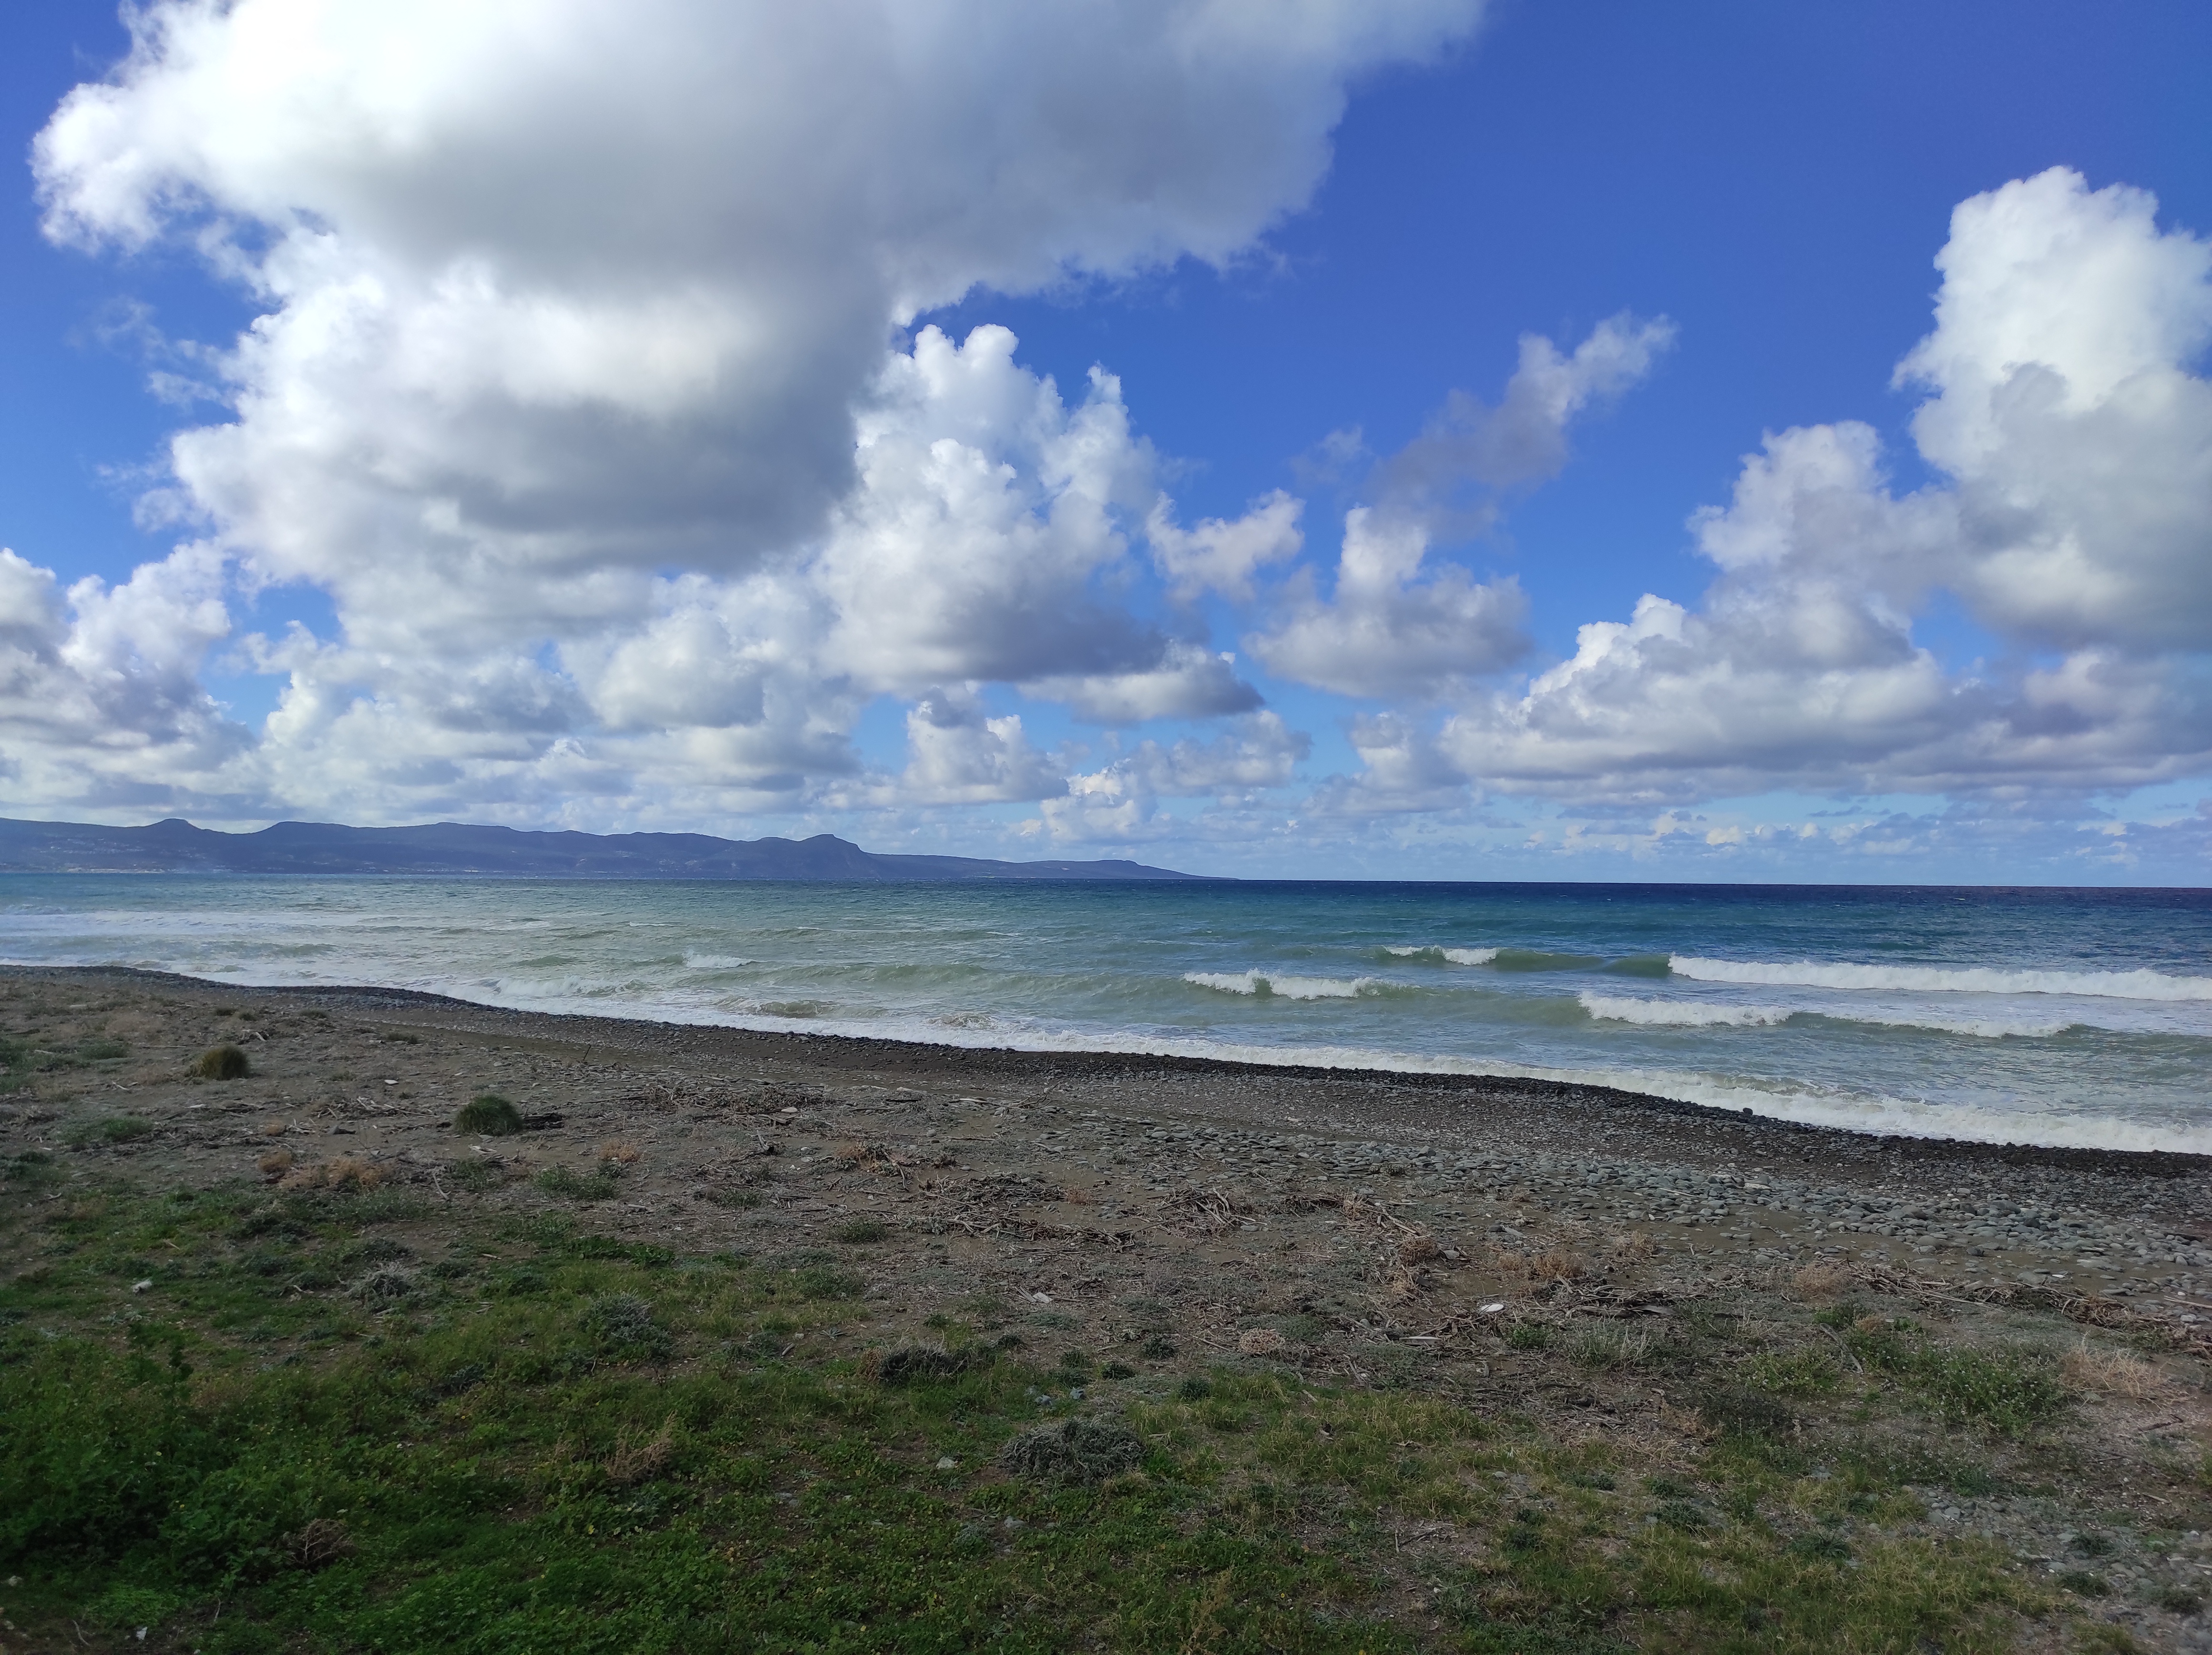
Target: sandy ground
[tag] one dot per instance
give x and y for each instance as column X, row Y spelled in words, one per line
column 1365, row 1227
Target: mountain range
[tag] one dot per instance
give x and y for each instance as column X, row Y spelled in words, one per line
column 454, row 847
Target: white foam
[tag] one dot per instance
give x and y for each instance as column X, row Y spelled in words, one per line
column 1680, row 1013
column 1281, row 987
column 1451, row 956
column 1701, row 1013
column 1934, row 980
column 694, row 961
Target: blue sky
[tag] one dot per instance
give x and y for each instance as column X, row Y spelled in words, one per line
column 461, row 597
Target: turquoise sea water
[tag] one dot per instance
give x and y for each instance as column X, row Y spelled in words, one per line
column 2067, row 1017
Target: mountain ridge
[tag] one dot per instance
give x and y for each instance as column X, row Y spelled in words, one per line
column 175, row 846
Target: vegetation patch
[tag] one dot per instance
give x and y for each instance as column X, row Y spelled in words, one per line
column 489, row 1114
column 222, row 1062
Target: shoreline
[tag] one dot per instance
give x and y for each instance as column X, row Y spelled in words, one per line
column 1603, row 1278
column 866, row 1051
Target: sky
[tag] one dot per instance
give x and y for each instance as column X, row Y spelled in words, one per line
column 1408, row 438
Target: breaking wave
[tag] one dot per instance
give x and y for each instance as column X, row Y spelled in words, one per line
column 695, row 961
column 1935, row 979
column 1431, row 955
column 1690, row 1014
column 1680, row 1013
column 1280, row 987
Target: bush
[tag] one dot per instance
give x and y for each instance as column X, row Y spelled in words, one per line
column 116, row 1129
column 489, row 1114
column 625, row 1326
column 926, row 1364
column 572, row 1185
column 1073, row 1452
column 860, row 1231
column 222, row 1062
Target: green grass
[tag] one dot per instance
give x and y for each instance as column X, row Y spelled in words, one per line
column 549, row 1437
column 23, row 1057
column 222, row 1062
column 490, row 1114
column 2010, row 1391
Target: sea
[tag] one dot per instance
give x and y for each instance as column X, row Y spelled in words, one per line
column 2061, row 1017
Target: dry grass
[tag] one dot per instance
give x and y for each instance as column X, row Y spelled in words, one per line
column 2114, row 1373
column 1537, row 1269
column 273, row 1129
column 1633, row 1248
column 633, row 1460
column 617, row 1154
column 274, row 1164
column 1419, row 1249
column 344, row 1173
column 1260, row 1342
column 1822, row 1281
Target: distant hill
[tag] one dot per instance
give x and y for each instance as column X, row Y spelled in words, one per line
column 454, row 847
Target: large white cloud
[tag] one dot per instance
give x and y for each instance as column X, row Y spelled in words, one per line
column 2074, row 517
column 577, row 388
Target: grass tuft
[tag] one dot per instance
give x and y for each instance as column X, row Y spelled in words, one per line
column 1075, row 1451
column 489, row 1114
column 222, row 1062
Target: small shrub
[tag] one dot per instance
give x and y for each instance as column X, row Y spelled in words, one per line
column 635, row 1460
column 274, row 1164
column 1792, row 1372
column 388, row 1283
column 1195, row 1389
column 860, row 1232
column 1117, row 1370
column 924, row 1364
column 1744, row 1413
column 1820, row 1548
column 1606, row 1349
column 2083, row 1584
column 320, row 1542
column 570, row 1185
column 344, row 1173
column 625, row 1326
column 1528, row 1336
column 1157, row 1348
column 615, row 1154
column 115, row 1129
column 1076, row 1450
column 490, row 1114
column 2178, row 1600
column 222, row 1062
column 476, row 1176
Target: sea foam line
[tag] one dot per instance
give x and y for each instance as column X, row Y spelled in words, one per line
column 1933, row 979
column 1449, row 956
column 1692, row 1013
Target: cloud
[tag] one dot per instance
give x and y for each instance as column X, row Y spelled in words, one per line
column 100, row 691
column 1397, row 629
column 2074, row 515
column 1523, row 439
column 604, row 289
column 961, row 756
column 1120, row 801
column 1220, row 554
column 579, row 339
column 1387, row 629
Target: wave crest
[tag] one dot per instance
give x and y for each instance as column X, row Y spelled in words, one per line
column 1678, row 1014
column 2143, row 985
column 1429, row 953
column 1271, row 984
